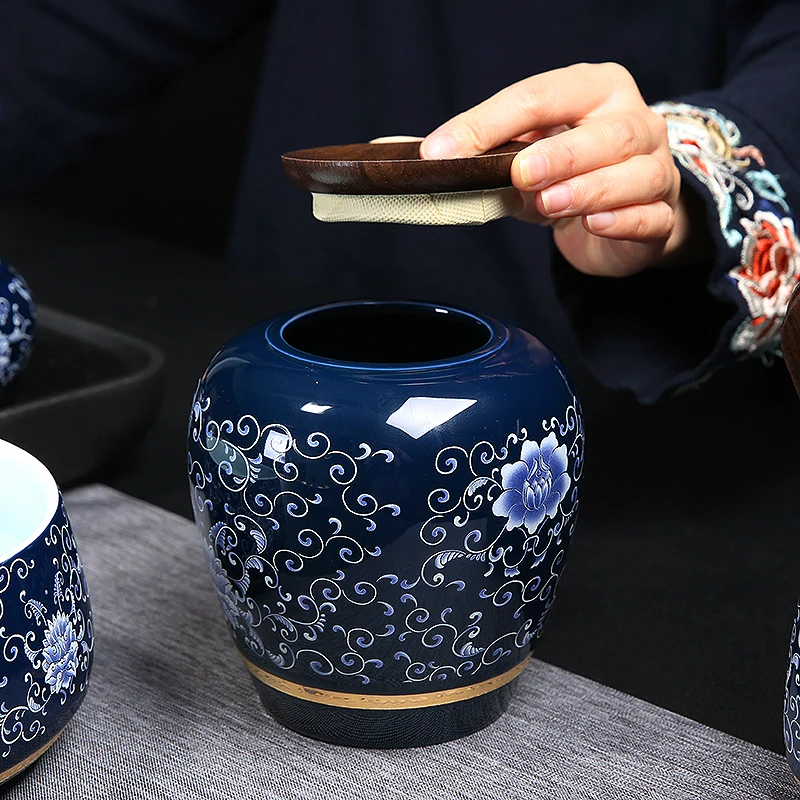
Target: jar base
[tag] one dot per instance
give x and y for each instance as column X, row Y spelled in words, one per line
column 12, row 772
column 385, row 729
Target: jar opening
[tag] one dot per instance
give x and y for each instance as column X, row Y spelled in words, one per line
column 28, row 499
column 386, row 333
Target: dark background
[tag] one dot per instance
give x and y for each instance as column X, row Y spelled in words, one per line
column 172, row 174
column 682, row 582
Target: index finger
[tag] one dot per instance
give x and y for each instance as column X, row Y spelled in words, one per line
column 558, row 97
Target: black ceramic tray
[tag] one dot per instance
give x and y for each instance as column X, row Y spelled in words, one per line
column 88, row 393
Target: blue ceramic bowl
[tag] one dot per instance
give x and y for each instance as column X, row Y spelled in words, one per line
column 386, row 492
column 46, row 640
column 17, row 323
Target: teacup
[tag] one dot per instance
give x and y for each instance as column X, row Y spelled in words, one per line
column 17, row 323
column 46, row 636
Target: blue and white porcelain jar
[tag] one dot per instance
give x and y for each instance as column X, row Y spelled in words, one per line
column 791, row 701
column 46, row 636
column 17, row 323
column 386, row 493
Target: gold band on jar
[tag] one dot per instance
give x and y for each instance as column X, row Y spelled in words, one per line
column 384, row 701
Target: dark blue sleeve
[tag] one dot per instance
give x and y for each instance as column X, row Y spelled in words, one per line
column 738, row 148
column 70, row 71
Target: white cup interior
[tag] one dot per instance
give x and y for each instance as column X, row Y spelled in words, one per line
column 28, row 499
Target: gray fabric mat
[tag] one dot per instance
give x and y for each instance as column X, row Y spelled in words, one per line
column 171, row 711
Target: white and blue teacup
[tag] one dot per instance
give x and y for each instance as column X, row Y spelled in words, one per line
column 46, row 637
column 17, row 323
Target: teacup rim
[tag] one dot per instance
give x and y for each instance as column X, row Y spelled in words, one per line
column 11, row 454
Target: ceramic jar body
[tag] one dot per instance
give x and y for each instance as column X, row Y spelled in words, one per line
column 385, row 522
column 17, row 323
column 791, row 702
column 46, row 634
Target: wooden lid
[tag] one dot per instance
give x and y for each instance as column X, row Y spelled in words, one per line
column 396, row 168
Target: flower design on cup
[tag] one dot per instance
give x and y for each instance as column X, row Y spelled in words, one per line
column 46, row 642
column 534, row 486
column 60, row 653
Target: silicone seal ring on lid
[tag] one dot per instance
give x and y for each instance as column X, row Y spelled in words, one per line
column 439, row 208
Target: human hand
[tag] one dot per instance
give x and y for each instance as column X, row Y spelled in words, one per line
column 599, row 169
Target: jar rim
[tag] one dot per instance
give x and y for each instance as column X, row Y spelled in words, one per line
column 495, row 333
column 29, row 499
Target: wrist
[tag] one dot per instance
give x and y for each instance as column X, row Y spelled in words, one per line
column 691, row 240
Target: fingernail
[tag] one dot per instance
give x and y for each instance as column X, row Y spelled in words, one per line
column 601, row 221
column 533, row 170
column 557, row 198
column 439, row 145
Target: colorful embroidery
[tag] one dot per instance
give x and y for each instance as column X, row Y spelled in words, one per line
column 767, row 276
column 753, row 216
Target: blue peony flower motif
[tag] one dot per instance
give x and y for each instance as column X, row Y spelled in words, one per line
column 534, row 486
column 60, row 653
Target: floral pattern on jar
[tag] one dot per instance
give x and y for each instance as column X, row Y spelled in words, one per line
column 534, row 486
column 46, row 641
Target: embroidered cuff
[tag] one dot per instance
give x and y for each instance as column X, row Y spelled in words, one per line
column 759, row 249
